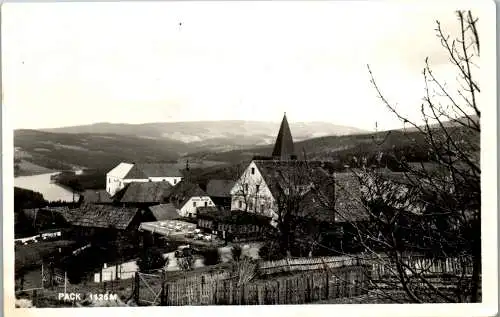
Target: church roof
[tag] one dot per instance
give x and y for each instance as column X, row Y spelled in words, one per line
column 283, row 147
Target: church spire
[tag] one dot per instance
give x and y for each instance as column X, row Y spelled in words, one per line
column 283, row 147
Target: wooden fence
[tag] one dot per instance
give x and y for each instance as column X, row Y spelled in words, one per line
column 150, row 290
column 380, row 266
column 300, row 288
column 383, row 267
column 306, row 264
column 308, row 280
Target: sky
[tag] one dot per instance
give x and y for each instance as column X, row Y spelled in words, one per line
column 69, row 64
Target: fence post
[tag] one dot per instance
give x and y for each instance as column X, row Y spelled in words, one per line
column 215, row 292
column 201, row 289
column 327, row 288
column 242, row 297
column 136, row 289
column 230, row 292
column 34, row 298
column 279, row 291
column 42, row 276
column 163, row 285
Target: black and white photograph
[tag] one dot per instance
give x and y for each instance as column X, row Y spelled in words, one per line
column 299, row 154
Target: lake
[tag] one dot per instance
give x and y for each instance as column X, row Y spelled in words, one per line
column 41, row 183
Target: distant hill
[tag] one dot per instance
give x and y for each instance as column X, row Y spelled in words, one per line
column 61, row 151
column 213, row 135
column 208, row 142
column 411, row 144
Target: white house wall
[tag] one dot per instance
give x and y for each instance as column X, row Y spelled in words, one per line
column 261, row 202
column 113, row 185
column 190, row 206
column 172, row 180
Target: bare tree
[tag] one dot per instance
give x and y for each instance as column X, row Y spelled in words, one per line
column 433, row 208
column 302, row 189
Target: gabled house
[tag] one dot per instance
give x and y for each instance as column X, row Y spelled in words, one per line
column 125, row 173
column 266, row 183
column 219, row 191
column 187, row 197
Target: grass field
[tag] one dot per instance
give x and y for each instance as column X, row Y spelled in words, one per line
column 32, row 255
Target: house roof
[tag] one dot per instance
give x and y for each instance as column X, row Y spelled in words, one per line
column 283, row 147
column 280, row 175
column 146, row 170
column 349, row 206
column 183, row 191
column 164, row 212
column 208, row 210
column 220, row 187
column 146, row 192
column 100, row 216
column 320, row 186
column 97, row 196
column 120, row 170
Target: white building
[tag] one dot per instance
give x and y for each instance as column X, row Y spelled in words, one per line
column 252, row 193
column 265, row 185
column 187, row 197
column 125, row 173
column 115, row 179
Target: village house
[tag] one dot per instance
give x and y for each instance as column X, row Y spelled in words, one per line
column 125, row 173
column 266, row 183
column 187, row 197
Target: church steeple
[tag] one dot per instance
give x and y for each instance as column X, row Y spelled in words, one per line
column 283, row 147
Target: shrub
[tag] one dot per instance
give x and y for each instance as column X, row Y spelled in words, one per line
column 211, row 256
column 186, row 263
column 151, row 259
column 236, row 251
